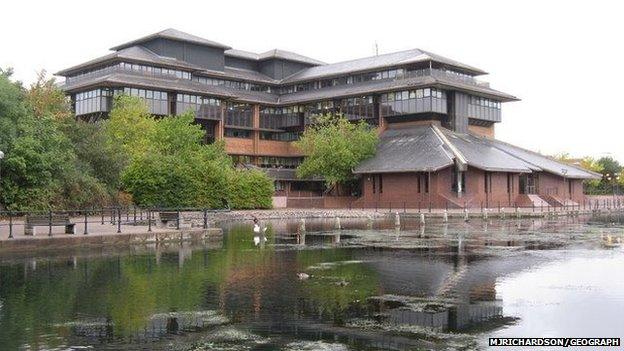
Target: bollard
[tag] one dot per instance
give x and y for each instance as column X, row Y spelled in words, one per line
column 10, row 225
column 445, row 216
column 178, row 219
column 369, row 222
column 397, row 220
column 149, row 220
column 502, row 213
column 518, row 214
column 86, row 221
column 422, row 218
column 119, row 220
column 205, row 218
column 466, row 215
column 102, row 215
column 302, row 225
column 50, row 222
column 337, row 223
column 485, row 213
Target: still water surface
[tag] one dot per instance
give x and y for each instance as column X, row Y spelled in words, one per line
column 438, row 286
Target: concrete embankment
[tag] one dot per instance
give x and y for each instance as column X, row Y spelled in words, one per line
column 20, row 243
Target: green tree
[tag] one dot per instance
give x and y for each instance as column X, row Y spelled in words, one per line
column 130, row 126
column 334, row 146
column 250, row 189
column 592, row 186
column 609, row 166
column 170, row 167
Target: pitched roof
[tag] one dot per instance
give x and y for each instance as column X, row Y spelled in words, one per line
column 543, row 162
column 413, row 149
column 290, row 56
column 481, row 154
column 274, row 54
column 173, row 34
column 135, row 54
column 420, row 149
column 376, row 62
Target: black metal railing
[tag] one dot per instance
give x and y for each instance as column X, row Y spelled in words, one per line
column 109, row 219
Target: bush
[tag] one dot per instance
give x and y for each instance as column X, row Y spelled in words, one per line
column 250, row 189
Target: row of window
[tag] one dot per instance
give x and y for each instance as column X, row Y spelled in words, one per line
column 371, row 76
column 237, row 133
column 93, row 94
column 479, row 101
column 154, row 70
column 135, row 67
column 280, row 117
column 280, row 136
column 156, row 101
column 92, row 101
column 239, row 115
column 279, row 162
column 197, row 99
column 232, row 84
column 352, row 79
column 413, row 94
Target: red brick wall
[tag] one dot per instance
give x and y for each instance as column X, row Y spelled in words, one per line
column 403, row 187
column 557, row 186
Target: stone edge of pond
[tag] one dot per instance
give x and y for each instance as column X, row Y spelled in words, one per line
column 284, row 214
column 109, row 239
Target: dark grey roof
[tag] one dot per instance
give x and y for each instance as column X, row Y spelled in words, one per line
column 545, row 163
column 419, row 149
column 375, row 62
column 173, row 34
column 481, row 154
column 290, row 56
column 274, row 54
column 248, row 55
column 413, row 149
column 134, row 54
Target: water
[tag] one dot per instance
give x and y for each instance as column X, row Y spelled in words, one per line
column 444, row 286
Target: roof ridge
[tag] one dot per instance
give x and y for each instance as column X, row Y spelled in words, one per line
column 459, row 157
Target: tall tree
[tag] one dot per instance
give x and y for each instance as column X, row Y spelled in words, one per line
column 334, row 146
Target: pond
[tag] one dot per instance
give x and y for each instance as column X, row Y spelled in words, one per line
column 368, row 286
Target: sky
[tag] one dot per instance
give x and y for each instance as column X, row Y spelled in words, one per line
column 563, row 59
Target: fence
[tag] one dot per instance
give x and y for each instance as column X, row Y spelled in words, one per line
column 113, row 216
column 431, row 206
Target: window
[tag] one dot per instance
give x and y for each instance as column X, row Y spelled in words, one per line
column 237, row 133
column 483, row 102
column 374, row 184
column 487, row 177
column 413, row 101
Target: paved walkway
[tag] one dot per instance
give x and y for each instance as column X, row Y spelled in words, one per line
column 94, row 227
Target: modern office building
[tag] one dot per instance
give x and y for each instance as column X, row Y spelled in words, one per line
column 436, row 120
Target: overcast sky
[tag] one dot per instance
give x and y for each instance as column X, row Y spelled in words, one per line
column 564, row 59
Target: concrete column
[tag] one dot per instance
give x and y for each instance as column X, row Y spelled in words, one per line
column 219, row 128
column 255, row 122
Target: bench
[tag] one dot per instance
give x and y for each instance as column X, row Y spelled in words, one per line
column 55, row 220
column 168, row 216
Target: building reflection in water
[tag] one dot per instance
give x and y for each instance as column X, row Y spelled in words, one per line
column 443, row 282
